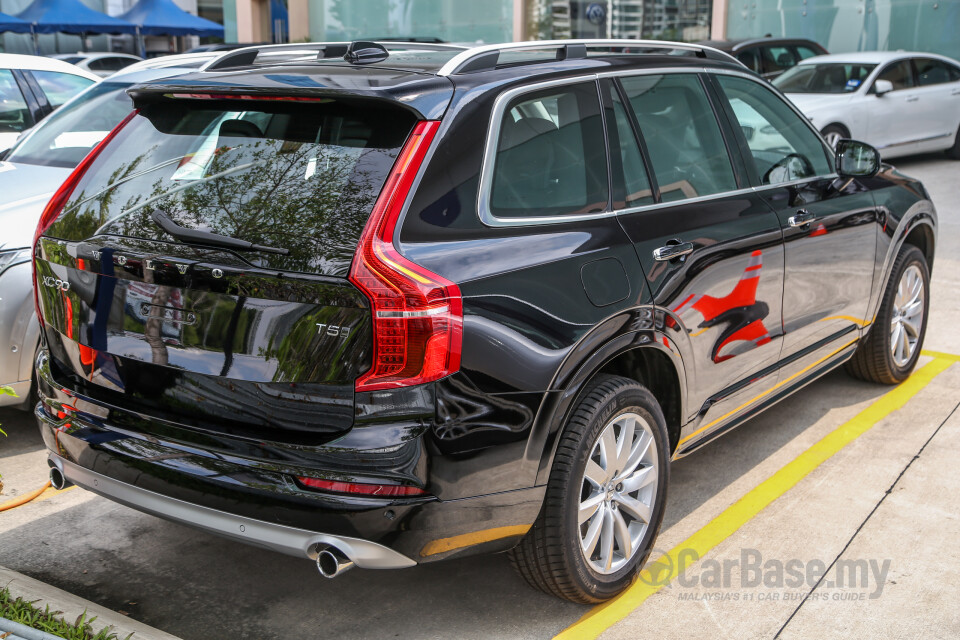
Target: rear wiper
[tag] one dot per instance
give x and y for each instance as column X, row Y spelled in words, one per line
column 195, row 236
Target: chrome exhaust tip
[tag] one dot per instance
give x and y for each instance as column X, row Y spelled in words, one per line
column 57, row 480
column 332, row 562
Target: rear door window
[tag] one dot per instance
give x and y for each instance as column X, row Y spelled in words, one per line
column 682, row 135
column 14, row 114
column 551, row 158
column 300, row 176
column 60, row 87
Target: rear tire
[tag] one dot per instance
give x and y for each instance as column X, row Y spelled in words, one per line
column 877, row 358
column 551, row 557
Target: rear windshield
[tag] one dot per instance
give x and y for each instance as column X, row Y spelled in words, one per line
column 824, row 78
column 302, row 176
column 70, row 132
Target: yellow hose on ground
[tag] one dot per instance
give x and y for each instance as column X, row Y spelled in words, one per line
column 16, row 502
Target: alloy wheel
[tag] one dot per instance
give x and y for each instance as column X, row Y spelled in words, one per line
column 832, row 138
column 617, row 493
column 907, row 320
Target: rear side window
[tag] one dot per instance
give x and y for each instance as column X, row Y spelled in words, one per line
column 551, row 157
column 931, row 72
column 682, row 135
column 899, row 74
column 782, row 146
column 60, row 87
column 14, row 116
column 301, row 176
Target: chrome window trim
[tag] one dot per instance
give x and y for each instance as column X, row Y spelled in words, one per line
column 493, row 133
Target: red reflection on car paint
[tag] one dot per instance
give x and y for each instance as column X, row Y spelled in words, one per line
column 739, row 310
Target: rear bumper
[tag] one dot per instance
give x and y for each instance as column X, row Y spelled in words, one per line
column 288, row 540
column 251, row 502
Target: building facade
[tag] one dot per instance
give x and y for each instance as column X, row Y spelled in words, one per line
column 840, row 25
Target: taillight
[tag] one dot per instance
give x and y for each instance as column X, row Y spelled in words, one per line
column 417, row 315
column 59, row 200
column 361, row 488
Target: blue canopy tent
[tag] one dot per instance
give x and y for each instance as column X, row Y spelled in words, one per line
column 16, row 25
column 164, row 18
column 69, row 16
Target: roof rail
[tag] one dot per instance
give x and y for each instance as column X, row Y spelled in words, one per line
column 246, row 56
column 486, row 57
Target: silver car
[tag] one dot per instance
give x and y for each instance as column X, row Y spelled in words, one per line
column 31, row 172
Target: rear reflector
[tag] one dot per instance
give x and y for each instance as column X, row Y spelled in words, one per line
column 59, row 200
column 417, row 315
column 360, row 488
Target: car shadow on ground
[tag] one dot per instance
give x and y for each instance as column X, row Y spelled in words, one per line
column 199, row 586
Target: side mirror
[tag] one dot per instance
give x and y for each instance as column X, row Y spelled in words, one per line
column 856, row 159
column 881, row 87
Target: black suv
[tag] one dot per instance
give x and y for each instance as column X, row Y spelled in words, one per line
column 385, row 304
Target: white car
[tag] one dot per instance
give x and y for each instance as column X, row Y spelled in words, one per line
column 31, row 87
column 901, row 103
column 101, row 63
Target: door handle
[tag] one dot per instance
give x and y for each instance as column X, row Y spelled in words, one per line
column 956, row 92
column 801, row 219
column 912, row 98
column 672, row 251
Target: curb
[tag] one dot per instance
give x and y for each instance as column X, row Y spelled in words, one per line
column 72, row 606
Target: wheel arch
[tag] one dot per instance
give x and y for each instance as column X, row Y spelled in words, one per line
column 917, row 228
column 652, row 358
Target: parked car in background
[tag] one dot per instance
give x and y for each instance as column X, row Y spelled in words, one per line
column 901, row 103
column 31, row 87
column 33, row 170
column 769, row 57
column 102, row 64
column 389, row 304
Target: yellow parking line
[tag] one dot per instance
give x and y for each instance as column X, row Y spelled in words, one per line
column 664, row 570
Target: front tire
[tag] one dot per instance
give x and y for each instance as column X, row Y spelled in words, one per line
column 605, row 498
column 891, row 350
